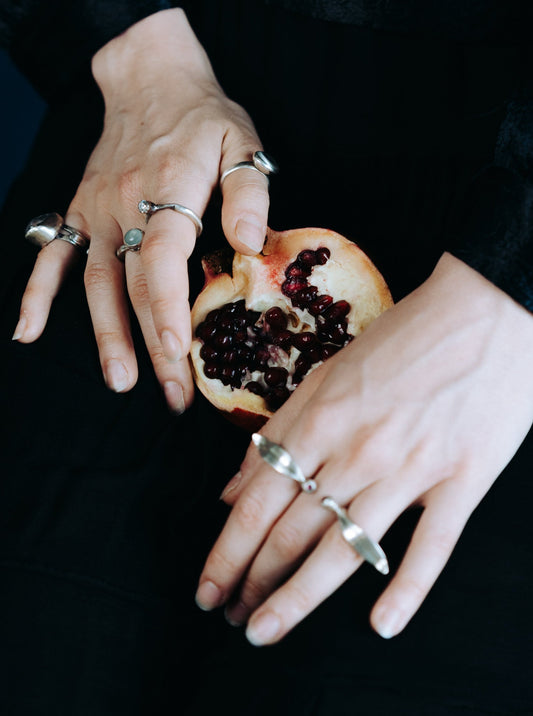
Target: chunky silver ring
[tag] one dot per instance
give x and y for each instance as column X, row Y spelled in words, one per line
column 357, row 538
column 281, row 461
column 46, row 228
column 133, row 239
column 261, row 162
column 149, row 208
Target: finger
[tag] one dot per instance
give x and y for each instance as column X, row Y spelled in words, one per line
column 245, row 195
column 52, row 265
column 434, row 538
column 175, row 378
column 329, row 565
column 106, row 296
column 168, row 243
column 302, row 526
column 275, row 430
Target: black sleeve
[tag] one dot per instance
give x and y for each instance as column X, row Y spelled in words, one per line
column 53, row 41
column 492, row 226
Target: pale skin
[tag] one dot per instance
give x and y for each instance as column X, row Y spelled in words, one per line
column 426, row 407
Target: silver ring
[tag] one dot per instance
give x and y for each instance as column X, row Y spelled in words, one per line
column 281, row 461
column 357, row 538
column 46, row 228
column 261, row 162
column 133, row 239
column 149, row 208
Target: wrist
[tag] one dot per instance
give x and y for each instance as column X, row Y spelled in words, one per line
column 160, row 48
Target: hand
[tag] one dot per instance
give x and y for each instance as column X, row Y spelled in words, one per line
column 169, row 133
column 426, row 407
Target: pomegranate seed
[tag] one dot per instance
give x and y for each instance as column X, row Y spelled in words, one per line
column 206, row 330
column 261, row 357
column 322, row 255
column 254, row 387
column 276, row 318
column 320, row 304
column 338, row 332
column 295, row 271
column 213, row 315
column 338, row 310
column 283, row 339
column 276, row 397
column 208, row 353
column 314, row 354
column 304, row 341
column 291, row 286
column 301, row 366
column 307, row 258
column 304, row 297
column 222, row 340
column 276, row 376
column 211, row 370
column 329, row 350
column 229, row 357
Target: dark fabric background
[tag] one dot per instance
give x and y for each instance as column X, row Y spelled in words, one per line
column 108, row 504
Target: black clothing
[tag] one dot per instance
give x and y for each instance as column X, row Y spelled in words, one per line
column 103, row 522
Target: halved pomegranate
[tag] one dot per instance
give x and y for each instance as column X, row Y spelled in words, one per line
column 263, row 323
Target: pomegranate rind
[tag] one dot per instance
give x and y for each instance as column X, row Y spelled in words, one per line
column 349, row 274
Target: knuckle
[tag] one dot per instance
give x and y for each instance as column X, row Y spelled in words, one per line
column 252, row 593
column 138, row 290
column 248, row 512
column 286, row 541
column 97, row 276
column 129, row 185
column 411, row 588
column 300, row 599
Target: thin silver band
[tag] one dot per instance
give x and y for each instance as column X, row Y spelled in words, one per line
column 149, row 207
column 261, row 162
column 242, row 165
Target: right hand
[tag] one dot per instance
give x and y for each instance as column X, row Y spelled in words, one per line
column 169, row 133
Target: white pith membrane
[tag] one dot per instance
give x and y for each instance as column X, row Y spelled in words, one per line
column 348, row 275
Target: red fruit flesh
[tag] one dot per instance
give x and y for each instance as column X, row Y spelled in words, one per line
column 258, row 331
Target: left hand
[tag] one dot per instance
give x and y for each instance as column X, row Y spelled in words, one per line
column 426, row 407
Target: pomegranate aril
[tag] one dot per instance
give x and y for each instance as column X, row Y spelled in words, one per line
column 329, row 350
column 222, row 340
column 320, row 304
column 261, row 357
column 229, row 357
column 291, row 286
column 276, row 397
column 314, row 354
column 208, row 353
column 336, row 311
column 211, row 370
column 213, row 315
column 304, row 341
column 307, row 258
column 276, row 318
column 276, row 376
column 283, row 339
column 254, row 387
column 305, row 297
column 301, row 366
column 322, row 255
column 206, row 330
column 295, row 271
column 338, row 332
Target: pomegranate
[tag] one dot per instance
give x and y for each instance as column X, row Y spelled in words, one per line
column 261, row 324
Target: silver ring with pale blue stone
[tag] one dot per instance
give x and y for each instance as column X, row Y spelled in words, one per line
column 133, row 239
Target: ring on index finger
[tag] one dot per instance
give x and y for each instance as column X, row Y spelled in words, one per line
column 281, row 461
column 44, row 229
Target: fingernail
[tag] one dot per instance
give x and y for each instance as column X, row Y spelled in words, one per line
column 116, row 375
column 19, row 330
column 208, row 596
column 171, row 346
column 263, row 629
column 232, row 485
column 250, row 232
column 388, row 622
column 237, row 615
column 174, row 396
